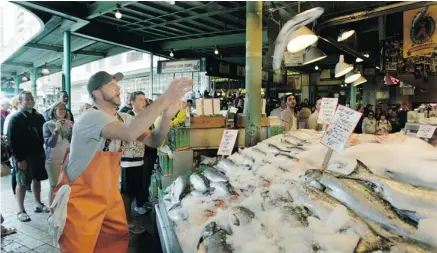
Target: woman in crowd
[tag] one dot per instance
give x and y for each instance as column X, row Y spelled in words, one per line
column 369, row 123
column 14, row 104
column 378, row 113
column 384, row 126
column 394, row 122
column 57, row 135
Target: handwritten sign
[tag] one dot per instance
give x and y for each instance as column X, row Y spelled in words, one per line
column 426, row 131
column 342, row 124
column 327, row 110
column 228, row 142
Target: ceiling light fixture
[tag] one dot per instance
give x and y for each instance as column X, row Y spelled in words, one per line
column 301, row 39
column 171, row 53
column 45, row 70
column 344, row 35
column 316, row 67
column 24, row 79
column 366, row 55
column 117, row 12
column 313, row 54
column 360, row 80
column 352, row 77
column 342, row 68
column 216, row 52
column 359, row 59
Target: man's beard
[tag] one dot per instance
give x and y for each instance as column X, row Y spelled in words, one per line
column 111, row 100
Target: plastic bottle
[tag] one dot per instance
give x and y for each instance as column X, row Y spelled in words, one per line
column 177, row 138
column 154, row 184
column 158, row 179
column 170, row 167
column 165, row 165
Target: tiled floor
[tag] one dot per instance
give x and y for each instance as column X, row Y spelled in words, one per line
column 33, row 237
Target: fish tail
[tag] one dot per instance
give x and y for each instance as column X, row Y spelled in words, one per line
column 367, row 246
column 360, row 170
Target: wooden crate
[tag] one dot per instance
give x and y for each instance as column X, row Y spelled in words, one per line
column 207, row 122
column 241, row 121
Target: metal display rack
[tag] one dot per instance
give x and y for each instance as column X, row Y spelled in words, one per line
column 166, row 228
column 411, row 129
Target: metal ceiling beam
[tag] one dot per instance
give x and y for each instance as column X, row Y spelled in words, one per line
column 29, row 65
column 109, row 34
column 175, row 7
column 350, row 51
column 60, row 9
column 60, row 49
column 147, row 16
column 97, row 9
column 189, row 18
column 220, row 41
column 379, row 11
column 76, row 44
column 228, row 19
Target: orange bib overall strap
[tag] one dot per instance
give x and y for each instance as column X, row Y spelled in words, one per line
column 96, row 219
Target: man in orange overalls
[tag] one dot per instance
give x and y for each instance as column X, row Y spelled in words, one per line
column 89, row 215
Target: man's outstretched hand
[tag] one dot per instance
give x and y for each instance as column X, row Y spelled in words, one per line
column 178, row 88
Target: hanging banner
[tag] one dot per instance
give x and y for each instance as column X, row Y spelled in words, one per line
column 420, row 35
column 166, row 67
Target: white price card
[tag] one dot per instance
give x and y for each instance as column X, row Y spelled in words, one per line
column 228, row 142
column 426, row 131
column 327, row 110
column 341, row 127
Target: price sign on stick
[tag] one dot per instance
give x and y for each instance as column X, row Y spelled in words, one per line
column 327, row 110
column 228, row 142
column 426, row 131
column 341, row 127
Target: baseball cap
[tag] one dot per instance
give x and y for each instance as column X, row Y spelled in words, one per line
column 101, row 78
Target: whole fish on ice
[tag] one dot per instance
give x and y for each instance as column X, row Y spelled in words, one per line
column 226, row 165
column 178, row 189
column 241, row 215
column 362, row 201
column 214, row 175
column 405, row 245
column 199, row 182
column 322, row 205
column 400, row 195
column 213, row 240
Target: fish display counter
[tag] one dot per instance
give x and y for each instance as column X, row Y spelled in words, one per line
column 378, row 195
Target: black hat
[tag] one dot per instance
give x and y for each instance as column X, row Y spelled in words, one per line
column 101, row 78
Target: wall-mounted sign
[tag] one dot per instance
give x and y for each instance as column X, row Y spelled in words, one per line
column 420, row 35
column 241, row 71
column 224, row 68
column 293, row 59
column 167, row 67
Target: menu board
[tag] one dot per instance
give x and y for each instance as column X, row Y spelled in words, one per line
column 228, row 142
column 341, row 127
column 426, row 131
column 327, row 110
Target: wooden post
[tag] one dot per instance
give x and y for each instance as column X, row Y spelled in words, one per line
column 326, row 159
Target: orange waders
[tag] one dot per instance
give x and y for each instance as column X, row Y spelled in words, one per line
column 96, row 219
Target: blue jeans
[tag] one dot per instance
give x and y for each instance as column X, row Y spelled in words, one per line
column 14, row 175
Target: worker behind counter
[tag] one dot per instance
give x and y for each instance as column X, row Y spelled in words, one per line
column 89, row 215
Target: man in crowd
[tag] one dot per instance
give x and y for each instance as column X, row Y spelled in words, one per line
column 96, row 220
column 190, row 109
column 26, row 140
column 403, row 115
column 4, row 104
column 133, row 174
column 127, row 107
column 62, row 97
column 277, row 112
column 312, row 120
column 288, row 115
